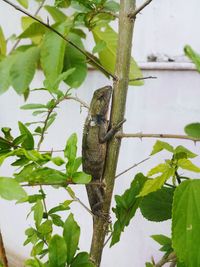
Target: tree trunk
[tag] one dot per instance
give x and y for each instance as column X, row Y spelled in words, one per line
column 120, row 87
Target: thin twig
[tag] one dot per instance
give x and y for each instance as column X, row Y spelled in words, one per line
column 77, row 99
column 171, row 258
column 144, row 78
column 133, row 14
column 3, row 257
column 107, row 240
column 60, row 184
column 83, row 205
column 133, row 166
column 150, row 135
column 87, row 54
column 66, row 97
column 35, row 14
column 51, row 151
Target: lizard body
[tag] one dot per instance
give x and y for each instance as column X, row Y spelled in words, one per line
column 94, row 143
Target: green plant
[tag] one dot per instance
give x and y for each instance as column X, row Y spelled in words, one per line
column 57, row 50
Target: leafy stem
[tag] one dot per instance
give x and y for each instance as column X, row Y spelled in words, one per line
column 85, row 53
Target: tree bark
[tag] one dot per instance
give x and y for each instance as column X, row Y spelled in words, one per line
column 120, row 87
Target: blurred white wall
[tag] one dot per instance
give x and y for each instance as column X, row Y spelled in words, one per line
column 162, row 105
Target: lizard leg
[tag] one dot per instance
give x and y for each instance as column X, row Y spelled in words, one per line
column 106, row 136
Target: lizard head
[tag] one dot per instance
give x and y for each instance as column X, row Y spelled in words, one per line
column 100, row 101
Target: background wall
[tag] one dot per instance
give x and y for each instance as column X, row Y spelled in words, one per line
column 164, row 105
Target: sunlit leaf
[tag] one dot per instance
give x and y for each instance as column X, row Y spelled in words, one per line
column 108, row 55
column 33, row 106
column 193, row 130
column 57, row 252
column 193, row 56
column 10, row 189
column 186, row 164
column 56, row 13
column 23, row 69
column 160, row 145
column 71, row 147
column 185, row 222
column 81, row 178
column 3, row 43
column 28, row 143
column 75, row 59
column 52, row 52
column 82, row 259
column 24, row 3
column 5, row 66
column 38, row 212
column 71, row 235
column 153, row 185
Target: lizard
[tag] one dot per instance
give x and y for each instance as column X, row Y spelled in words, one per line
column 96, row 134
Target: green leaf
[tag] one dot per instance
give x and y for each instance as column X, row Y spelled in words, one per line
column 5, row 66
column 52, row 87
column 3, row 43
column 73, row 165
column 193, row 56
column 57, row 252
column 23, row 69
column 56, row 14
column 71, row 147
column 47, row 175
column 157, row 206
column 57, row 220
column 160, row 168
column 126, row 206
column 62, row 207
column 160, row 145
column 71, row 235
column 37, row 248
column 185, row 222
column 58, row 161
column 193, row 130
column 153, row 185
column 33, row 106
column 99, row 47
column 182, row 149
column 10, row 189
column 24, row 3
column 149, row 264
column 45, row 228
column 28, row 143
column 81, row 178
column 23, row 175
column 34, row 263
column 38, row 212
column 75, row 59
column 52, row 52
column 62, row 3
column 162, row 239
column 18, row 140
column 82, row 259
column 33, row 30
column 108, row 55
column 7, row 133
column 186, row 164
column 112, row 6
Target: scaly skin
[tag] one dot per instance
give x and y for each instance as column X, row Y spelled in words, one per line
column 94, row 143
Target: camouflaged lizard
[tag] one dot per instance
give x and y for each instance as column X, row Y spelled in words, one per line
column 94, row 143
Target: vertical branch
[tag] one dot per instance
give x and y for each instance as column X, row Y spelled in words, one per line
column 120, row 87
column 3, row 257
